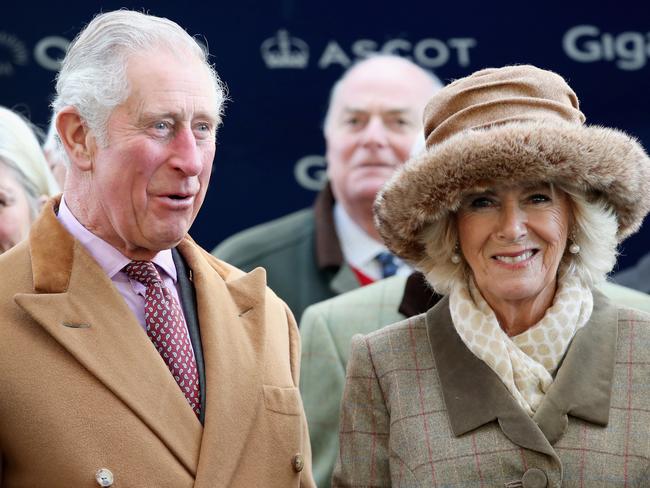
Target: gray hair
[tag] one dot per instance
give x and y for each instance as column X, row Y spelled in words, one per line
column 594, row 229
column 436, row 84
column 93, row 76
column 53, row 146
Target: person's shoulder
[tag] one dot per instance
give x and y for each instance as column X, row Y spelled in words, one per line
column 407, row 329
column 372, row 294
column 623, row 296
column 267, row 238
column 358, row 311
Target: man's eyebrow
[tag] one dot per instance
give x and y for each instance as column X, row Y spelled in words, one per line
column 154, row 115
column 390, row 111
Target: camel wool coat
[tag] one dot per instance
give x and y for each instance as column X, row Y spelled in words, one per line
column 82, row 388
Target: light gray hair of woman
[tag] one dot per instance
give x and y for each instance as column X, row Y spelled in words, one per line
column 20, row 150
column 594, row 227
column 34, row 197
column 93, row 75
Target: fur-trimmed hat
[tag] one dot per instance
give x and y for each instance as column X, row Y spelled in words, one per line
column 512, row 124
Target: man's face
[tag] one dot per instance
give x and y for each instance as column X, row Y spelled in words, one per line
column 150, row 181
column 374, row 120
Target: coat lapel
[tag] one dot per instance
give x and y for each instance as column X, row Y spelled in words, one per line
column 233, row 331
column 344, row 280
column 583, row 384
column 473, row 394
column 77, row 304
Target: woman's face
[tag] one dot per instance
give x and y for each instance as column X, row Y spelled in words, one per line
column 15, row 216
column 513, row 238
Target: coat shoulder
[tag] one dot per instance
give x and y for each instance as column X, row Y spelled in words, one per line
column 258, row 243
column 361, row 310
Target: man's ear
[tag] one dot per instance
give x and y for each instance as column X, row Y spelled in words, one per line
column 78, row 142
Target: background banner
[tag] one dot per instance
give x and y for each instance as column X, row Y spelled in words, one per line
column 279, row 59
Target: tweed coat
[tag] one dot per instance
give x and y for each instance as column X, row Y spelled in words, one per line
column 300, row 252
column 327, row 329
column 83, row 388
column 420, row 410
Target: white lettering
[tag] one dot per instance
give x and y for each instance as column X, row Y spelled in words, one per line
column 334, row 54
column 394, row 46
column 42, row 52
column 590, row 50
column 630, row 46
column 439, row 48
column 429, row 52
column 462, row 46
column 310, row 172
column 364, row 48
column 586, row 44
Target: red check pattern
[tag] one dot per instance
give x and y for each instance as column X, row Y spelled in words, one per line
column 167, row 330
column 395, row 428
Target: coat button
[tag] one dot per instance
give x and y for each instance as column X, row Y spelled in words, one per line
column 534, row 478
column 298, row 463
column 104, row 477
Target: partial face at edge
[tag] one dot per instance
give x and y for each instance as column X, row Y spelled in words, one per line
column 15, row 214
column 513, row 239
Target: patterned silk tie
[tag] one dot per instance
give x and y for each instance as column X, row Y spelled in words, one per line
column 167, row 330
column 387, row 262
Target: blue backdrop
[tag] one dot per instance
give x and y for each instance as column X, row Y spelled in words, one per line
column 279, row 59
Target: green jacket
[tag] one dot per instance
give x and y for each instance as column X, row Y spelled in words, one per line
column 300, row 252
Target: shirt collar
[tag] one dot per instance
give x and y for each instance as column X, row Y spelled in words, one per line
column 358, row 247
column 110, row 259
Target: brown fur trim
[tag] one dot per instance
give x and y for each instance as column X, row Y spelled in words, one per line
column 592, row 159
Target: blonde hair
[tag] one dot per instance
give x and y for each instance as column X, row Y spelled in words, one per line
column 21, row 151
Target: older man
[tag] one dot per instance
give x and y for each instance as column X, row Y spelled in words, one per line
column 129, row 356
column 373, row 120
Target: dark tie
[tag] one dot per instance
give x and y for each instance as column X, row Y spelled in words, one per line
column 387, row 262
column 167, row 330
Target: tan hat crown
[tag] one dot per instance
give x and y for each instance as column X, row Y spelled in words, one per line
column 498, row 96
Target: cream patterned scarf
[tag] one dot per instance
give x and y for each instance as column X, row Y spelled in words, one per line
column 525, row 362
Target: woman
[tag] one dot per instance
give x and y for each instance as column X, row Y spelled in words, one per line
column 25, row 179
column 524, row 375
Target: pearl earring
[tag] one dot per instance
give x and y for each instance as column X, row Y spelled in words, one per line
column 455, row 257
column 573, row 248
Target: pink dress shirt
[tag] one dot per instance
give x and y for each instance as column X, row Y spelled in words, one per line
column 112, row 262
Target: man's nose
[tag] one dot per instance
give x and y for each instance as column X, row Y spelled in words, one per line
column 512, row 224
column 375, row 133
column 186, row 155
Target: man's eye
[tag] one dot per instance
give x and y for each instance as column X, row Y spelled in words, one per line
column 162, row 126
column 399, row 122
column 353, row 121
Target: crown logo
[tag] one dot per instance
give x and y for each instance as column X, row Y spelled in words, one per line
column 283, row 51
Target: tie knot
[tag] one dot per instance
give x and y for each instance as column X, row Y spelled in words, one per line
column 387, row 262
column 143, row 271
